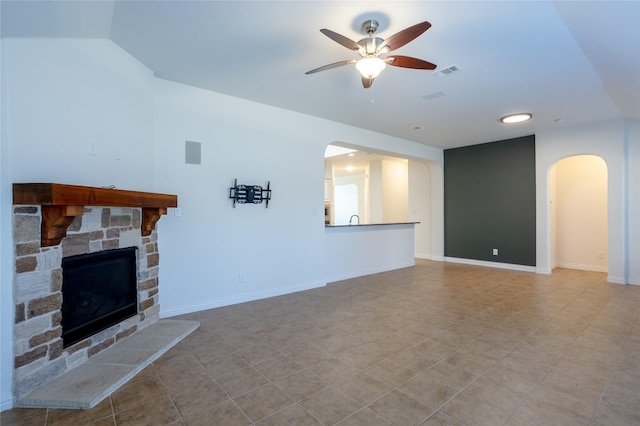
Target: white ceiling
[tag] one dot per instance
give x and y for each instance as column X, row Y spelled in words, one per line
column 578, row 61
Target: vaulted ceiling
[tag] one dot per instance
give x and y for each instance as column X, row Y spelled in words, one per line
column 566, row 62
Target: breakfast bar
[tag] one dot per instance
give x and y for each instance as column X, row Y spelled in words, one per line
column 364, row 249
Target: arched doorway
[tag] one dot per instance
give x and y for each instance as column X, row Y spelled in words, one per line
column 579, row 213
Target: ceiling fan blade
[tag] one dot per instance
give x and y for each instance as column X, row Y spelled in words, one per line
column 367, row 82
column 405, row 36
column 409, row 62
column 340, row 39
column 329, row 66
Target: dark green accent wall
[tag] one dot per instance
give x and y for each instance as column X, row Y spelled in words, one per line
column 490, row 201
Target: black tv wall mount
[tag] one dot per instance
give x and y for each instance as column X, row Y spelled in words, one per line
column 249, row 194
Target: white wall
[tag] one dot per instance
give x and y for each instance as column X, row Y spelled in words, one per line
column 61, row 96
column 65, row 95
column 249, row 252
column 353, row 251
column 419, row 188
column 6, row 248
column 349, row 208
column 632, row 128
column 58, row 97
column 613, row 141
column 581, row 213
column 395, row 191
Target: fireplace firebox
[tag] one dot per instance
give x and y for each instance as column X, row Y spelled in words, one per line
column 98, row 290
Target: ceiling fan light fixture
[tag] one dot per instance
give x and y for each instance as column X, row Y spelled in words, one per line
column 516, row 118
column 370, row 67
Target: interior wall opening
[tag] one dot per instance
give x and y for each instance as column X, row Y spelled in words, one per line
column 389, row 189
column 579, row 213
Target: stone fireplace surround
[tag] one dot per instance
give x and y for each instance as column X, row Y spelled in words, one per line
column 83, row 227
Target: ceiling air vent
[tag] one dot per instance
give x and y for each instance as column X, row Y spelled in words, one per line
column 434, row 95
column 444, row 72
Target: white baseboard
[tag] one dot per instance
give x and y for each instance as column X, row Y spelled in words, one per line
column 583, row 267
column 616, row 280
column 233, row 300
column 498, row 265
column 6, row 401
column 634, row 281
column 369, row 271
column 429, row 257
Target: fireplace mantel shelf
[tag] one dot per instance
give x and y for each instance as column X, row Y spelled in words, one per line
column 62, row 203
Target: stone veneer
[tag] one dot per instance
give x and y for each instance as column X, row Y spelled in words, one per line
column 38, row 353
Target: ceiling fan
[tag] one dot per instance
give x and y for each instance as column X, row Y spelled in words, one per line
column 371, row 48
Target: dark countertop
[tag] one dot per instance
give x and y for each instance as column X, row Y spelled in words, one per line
column 369, row 224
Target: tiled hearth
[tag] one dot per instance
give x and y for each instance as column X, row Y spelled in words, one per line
column 39, row 356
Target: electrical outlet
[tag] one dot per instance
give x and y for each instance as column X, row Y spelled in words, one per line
column 242, row 277
column 177, row 211
column 91, row 149
column 495, row 252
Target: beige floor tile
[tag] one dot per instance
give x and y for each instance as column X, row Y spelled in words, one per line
column 67, row 417
column 401, row 409
column 544, row 346
column 575, row 381
column 292, row 415
column 363, row 388
column 278, row 368
column 220, row 364
column 262, row 402
column 309, row 355
column 137, row 394
column 495, row 394
column 455, row 377
column 301, row 384
column 201, row 394
column 519, row 382
column 330, row 405
column 225, row 413
column 441, row 419
column 614, row 415
column 177, row 358
column 242, row 381
column 364, row 417
column 534, row 412
column 333, row 370
column 361, row 357
column 624, row 399
column 470, row 410
column 390, row 372
column 428, row 390
column 156, row 412
column 24, row 416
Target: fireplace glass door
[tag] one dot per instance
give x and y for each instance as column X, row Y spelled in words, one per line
column 98, row 290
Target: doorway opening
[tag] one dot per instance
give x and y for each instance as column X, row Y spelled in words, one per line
column 579, row 213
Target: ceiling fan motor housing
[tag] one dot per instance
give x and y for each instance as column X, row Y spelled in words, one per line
column 371, row 46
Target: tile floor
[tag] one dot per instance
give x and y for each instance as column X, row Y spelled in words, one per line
column 436, row 344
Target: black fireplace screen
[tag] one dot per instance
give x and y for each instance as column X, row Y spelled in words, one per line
column 98, row 291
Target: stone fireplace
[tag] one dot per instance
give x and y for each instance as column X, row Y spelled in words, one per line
column 52, row 222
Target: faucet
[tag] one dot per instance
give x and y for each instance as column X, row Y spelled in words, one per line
column 356, row 216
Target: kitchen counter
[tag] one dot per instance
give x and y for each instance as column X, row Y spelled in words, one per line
column 370, row 224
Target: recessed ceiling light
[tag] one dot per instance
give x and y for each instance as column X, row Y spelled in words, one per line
column 417, row 128
column 516, row 118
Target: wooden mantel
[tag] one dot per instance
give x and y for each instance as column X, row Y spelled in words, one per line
column 62, row 203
